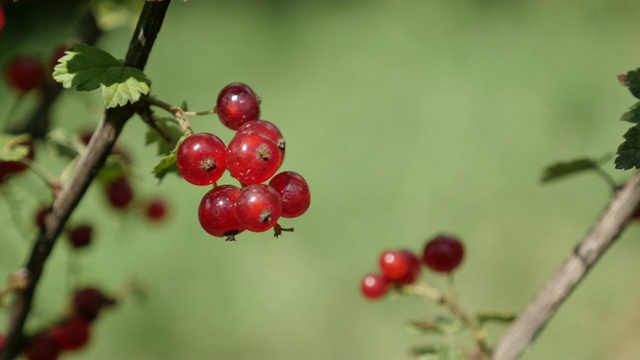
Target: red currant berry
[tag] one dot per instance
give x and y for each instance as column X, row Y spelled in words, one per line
column 374, row 286
column 252, row 157
column 119, row 193
column 3, row 340
column 237, row 104
column 9, row 168
column 88, row 302
column 72, row 334
column 217, row 212
column 443, row 254
column 42, row 346
column 394, row 264
column 25, row 73
column 258, row 207
column 1, row 19
column 267, row 128
column 414, row 268
column 80, row 236
column 156, row 210
column 294, row 192
column 202, row 159
column 40, row 215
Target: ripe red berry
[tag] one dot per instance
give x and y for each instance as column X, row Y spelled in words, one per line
column 237, row 104
column 87, row 303
column 80, row 236
column 443, row 254
column 414, row 268
column 252, row 157
column 374, row 286
column 294, row 192
column 9, row 168
column 258, row 207
column 202, row 159
column 3, row 340
column 267, row 128
column 42, row 346
column 1, row 19
column 25, row 73
column 394, row 264
column 156, row 210
column 217, row 212
column 71, row 334
column 40, row 215
column 119, row 193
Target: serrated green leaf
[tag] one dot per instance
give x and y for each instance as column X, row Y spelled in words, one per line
column 633, row 115
column 12, row 147
column 168, row 163
column 170, row 127
column 87, row 68
column 562, row 169
column 629, row 151
column 632, row 81
column 62, row 143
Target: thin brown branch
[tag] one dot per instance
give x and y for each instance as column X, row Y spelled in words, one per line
column 91, row 161
column 602, row 235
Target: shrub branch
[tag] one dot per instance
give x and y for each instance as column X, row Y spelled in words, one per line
column 537, row 313
column 105, row 135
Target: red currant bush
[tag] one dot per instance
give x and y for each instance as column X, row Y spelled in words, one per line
column 258, row 207
column 294, row 192
column 374, row 286
column 237, row 104
column 202, row 159
column 252, row 157
column 25, row 73
column 217, row 212
column 443, row 254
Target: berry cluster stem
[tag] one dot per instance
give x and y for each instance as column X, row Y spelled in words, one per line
column 149, row 24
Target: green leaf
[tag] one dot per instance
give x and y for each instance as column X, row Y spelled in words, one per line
column 498, row 317
column 633, row 115
column 433, row 352
column 562, row 169
column 629, row 151
column 168, row 163
column 12, row 147
column 87, row 68
column 62, row 143
column 170, row 127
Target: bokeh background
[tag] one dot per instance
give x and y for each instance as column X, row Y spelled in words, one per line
column 408, row 119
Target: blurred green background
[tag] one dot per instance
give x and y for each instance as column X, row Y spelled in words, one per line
column 408, row 119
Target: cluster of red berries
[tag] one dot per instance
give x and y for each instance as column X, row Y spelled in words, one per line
column 443, row 254
column 252, row 157
column 71, row 333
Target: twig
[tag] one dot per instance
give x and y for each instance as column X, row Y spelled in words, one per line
column 536, row 315
column 91, row 161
